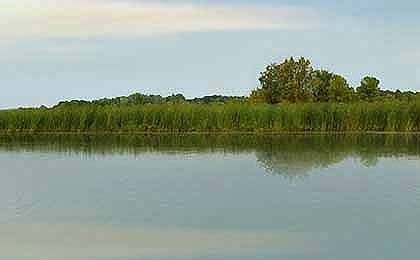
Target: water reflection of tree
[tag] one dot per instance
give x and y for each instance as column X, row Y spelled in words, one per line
column 296, row 156
column 293, row 156
column 299, row 155
column 296, row 164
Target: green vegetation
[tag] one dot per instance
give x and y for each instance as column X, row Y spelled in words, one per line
column 296, row 81
column 140, row 99
column 184, row 117
column 293, row 98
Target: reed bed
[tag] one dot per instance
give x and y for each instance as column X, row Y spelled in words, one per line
column 236, row 117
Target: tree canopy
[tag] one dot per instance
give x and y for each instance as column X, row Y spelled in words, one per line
column 368, row 89
column 288, row 81
column 142, row 99
column 297, row 81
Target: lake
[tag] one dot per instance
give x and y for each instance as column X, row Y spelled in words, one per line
column 221, row 197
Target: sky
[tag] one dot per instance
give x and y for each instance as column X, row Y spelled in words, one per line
column 52, row 50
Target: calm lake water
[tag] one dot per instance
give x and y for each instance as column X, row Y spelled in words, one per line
column 210, row 197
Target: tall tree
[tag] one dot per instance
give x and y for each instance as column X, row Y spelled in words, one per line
column 339, row 90
column 330, row 87
column 320, row 84
column 368, row 89
column 288, row 81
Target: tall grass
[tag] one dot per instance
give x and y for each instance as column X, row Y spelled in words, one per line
column 305, row 117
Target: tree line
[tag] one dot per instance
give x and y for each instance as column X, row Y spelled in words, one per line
column 142, row 99
column 291, row 81
column 297, row 81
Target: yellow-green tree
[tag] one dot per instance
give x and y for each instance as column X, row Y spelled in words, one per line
column 288, row 81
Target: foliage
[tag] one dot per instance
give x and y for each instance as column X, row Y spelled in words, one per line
column 368, row 89
column 329, row 87
column 293, row 97
column 288, row 81
column 133, row 99
column 216, row 99
column 141, row 99
column 257, row 96
column 296, row 81
column 244, row 117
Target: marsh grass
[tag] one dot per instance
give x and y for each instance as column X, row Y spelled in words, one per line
column 240, row 117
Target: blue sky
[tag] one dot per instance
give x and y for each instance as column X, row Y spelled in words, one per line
column 55, row 50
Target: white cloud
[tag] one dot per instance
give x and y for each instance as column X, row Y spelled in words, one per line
column 110, row 242
column 54, row 18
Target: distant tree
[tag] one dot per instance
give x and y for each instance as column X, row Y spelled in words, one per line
column 388, row 95
column 178, row 98
column 123, row 101
column 369, row 89
column 320, row 84
column 406, row 96
column 216, row 99
column 257, row 96
column 136, row 99
column 288, row 81
column 339, row 90
column 330, row 87
column 72, row 103
column 153, row 99
column 103, row 102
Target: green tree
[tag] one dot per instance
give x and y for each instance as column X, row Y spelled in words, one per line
column 320, row 85
column 329, row 87
column 339, row 90
column 178, row 98
column 369, row 89
column 136, row 99
column 288, row 81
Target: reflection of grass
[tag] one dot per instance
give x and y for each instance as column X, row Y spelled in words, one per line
column 287, row 155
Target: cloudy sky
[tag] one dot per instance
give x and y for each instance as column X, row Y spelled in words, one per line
column 53, row 50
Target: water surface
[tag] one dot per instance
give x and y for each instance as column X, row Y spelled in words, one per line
column 209, row 197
